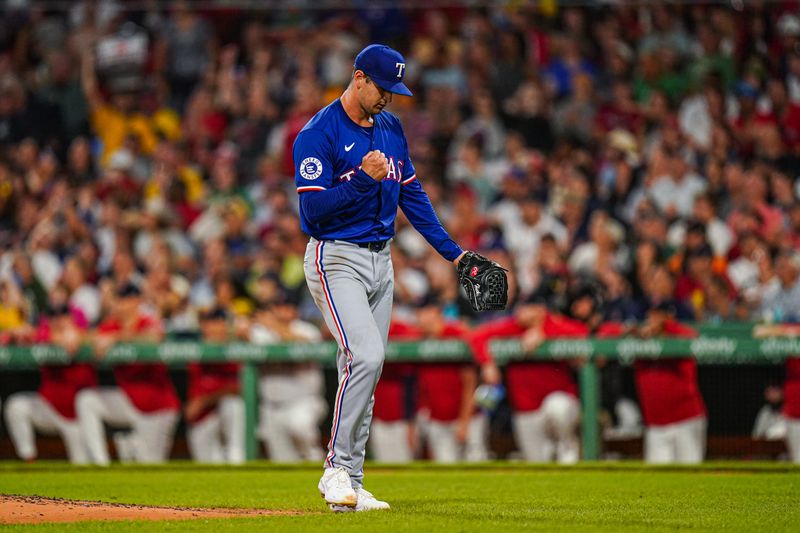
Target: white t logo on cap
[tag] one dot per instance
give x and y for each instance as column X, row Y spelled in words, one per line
column 400, row 67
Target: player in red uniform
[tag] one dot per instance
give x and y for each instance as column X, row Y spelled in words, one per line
column 145, row 399
column 215, row 410
column 791, row 407
column 673, row 409
column 455, row 429
column 392, row 435
column 52, row 408
column 543, row 394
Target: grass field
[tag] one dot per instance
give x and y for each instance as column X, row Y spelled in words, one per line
column 625, row 497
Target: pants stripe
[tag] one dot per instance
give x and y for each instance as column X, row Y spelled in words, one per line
column 323, row 278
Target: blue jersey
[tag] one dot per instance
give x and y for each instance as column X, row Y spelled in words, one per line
column 339, row 201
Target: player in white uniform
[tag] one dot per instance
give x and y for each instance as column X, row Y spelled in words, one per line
column 292, row 394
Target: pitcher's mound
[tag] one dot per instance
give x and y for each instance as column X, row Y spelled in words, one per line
column 37, row 509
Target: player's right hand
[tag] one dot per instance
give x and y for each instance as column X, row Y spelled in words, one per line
column 375, row 165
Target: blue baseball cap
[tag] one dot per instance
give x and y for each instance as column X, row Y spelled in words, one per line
column 385, row 66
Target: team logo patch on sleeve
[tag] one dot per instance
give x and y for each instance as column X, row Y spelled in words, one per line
column 311, row 168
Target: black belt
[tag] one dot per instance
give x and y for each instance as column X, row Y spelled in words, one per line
column 374, row 246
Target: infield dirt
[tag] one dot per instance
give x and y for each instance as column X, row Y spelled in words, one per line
column 37, row 510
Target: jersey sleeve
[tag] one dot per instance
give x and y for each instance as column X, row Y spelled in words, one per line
column 313, row 164
column 409, row 172
column 313, row 176
column 417, row 207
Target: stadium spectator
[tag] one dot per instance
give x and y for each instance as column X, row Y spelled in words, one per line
column 116, row 120
column 550, row 269
column 483, row 124
column 752, row 272
column 24, row 117
column 603, row 251
column 674, row 192
column 83, row 295
column 569, row 62
column 524, row 223
column 717, row 233
column 61, row 88
column 698, row 280
column 144, row 400
column 184, row 51
column 214, row 409
column 782, row 302
column 13, row 324
column 658, row 286
column 573, row 116
column 32, row 289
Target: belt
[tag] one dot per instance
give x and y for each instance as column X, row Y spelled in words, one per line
column 374, row 246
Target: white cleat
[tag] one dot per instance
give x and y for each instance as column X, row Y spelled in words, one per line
column 336, row 488
column 366, row 502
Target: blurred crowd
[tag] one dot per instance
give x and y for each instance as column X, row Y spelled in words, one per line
column 645, row 155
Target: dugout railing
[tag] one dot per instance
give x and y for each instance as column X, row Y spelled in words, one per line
column 725, row 344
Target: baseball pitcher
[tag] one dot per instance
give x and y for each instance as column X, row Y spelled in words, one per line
column 352, row 171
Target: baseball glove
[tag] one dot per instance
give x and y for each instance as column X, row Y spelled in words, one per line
column 484, row 281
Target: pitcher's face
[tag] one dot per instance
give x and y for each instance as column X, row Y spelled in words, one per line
column 371, row 97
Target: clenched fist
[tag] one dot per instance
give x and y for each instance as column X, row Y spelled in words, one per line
column 375, row 165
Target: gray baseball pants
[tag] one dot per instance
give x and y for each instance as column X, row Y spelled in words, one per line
column 353, row 288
